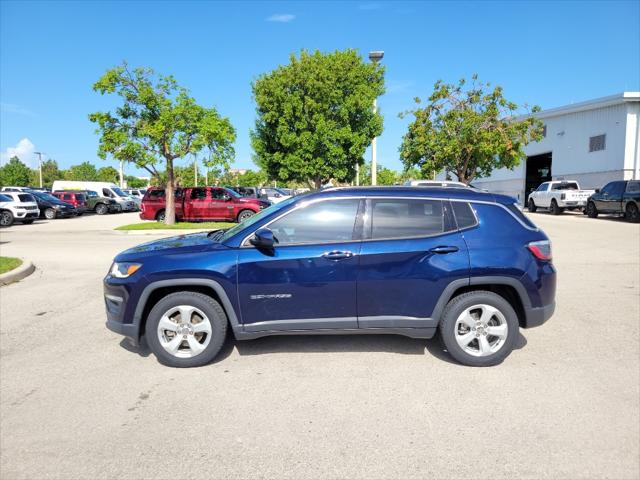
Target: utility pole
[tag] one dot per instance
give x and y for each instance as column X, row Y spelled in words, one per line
column 375, row 57
column 121, row 173
column 357, row 174
column 39, row 165
column 195, row 169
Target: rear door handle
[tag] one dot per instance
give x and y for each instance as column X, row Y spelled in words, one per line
column 444, row 249
column 337, row 255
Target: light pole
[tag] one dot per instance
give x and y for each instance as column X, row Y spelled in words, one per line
column 39, row 165
column 375, row 57
column 195, row 169
column 121, row 173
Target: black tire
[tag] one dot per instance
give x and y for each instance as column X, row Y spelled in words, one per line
column 27, row 222
column 555, row 209
column 101, row 209
column 50, row 214
column 631, row 213
column 244, row 214
column 6, row 218
column 592, row 211
column 160, row 216
column 209, row 307
column 457, row 306
column 532, row 206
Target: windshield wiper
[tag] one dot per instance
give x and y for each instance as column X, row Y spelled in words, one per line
column 216, row 235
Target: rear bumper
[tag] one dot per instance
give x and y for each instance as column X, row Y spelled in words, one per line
column 573, row 203
column 539, row 315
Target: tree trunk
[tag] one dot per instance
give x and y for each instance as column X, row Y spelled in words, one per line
column 317, row 182
column 170, row 199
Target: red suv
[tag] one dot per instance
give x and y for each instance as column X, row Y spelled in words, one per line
column 77, row 199
column 201, row 204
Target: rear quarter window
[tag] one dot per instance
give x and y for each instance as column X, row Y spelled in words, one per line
column 513, row 208
column 633, row 187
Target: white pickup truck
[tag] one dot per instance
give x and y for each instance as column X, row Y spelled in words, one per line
column 558, row 195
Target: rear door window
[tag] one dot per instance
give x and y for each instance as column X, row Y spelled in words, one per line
column 198, row 194
column 406, row 218
column 66, row 196
column 465, row 217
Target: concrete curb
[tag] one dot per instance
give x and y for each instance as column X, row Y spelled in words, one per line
column 162, row 232
column 17, row 274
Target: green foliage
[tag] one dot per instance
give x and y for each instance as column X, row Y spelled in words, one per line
column 108, row 174
column 385, row 175
column 134, row 182
column 15, row 173
column 50, row 173
column 9, row 263
column 315, row 116
column 469, row 131
column 158, row 122
column 83, row 172
column 250, row 178
column 177, row 226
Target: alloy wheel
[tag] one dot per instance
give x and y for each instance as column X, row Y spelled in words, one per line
column 6, row 219
column 184, row 331
column 481, row 330
column 244, row 215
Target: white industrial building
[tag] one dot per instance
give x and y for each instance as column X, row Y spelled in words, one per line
column 593, row 142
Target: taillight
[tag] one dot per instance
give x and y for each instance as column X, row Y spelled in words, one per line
column 541, row 250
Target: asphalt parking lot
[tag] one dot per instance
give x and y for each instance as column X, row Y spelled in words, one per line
column 76, row 402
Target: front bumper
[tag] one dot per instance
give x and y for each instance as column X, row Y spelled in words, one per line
column 537, row 316
column 66, row 213
column 116, row 298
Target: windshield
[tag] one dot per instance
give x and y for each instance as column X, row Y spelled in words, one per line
column 118, row 192
column 46, row 197
column 233, row 193
column 565, row 186
column 254, row 218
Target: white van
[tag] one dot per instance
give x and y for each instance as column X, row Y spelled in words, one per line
column 103, row 189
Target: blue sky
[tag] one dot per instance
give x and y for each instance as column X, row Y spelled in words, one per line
column 545, row 53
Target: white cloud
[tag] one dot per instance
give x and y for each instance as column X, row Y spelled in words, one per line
column 281, row 18
column 17, row 109
column 23, row 150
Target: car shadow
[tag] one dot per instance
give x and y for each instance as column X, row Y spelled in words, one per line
column 438, row 350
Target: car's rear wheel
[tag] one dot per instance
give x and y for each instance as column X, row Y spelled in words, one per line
column 532, row 206
column 555, row 209
column 101, row 209
column 479, row 328
column 631, row 213
column 50, row 214
column 592, row 211
column 244, row 214
column 6, row 218
column 186, row 329
column 160, row 216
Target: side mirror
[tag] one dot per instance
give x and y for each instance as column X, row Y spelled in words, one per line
column 597, row 190
column 263, row 238
column 226, row 197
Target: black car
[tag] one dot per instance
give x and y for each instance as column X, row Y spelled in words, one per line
column 52, row 207
column 621, row 197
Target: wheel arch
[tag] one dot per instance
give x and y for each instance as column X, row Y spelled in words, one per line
column 155, row 291
column 507, row 287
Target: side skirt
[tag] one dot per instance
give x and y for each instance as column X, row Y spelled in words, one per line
column 407, row 332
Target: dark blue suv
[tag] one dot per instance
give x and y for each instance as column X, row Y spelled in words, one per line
column 411, row 261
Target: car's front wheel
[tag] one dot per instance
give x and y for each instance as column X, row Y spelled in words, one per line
column 479, row 328
column 160, row 216
column 592, row 211
column 101, row 209
column 50, row 214
column 186, row 329
column 532, row 206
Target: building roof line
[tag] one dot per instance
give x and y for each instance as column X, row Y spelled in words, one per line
column 608, row 101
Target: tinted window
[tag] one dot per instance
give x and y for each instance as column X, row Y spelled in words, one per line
column 107, row 193
column 80, row 197
column 542, row 188
column 464, row 215
column 198, row 194
column 406, row 218
column 25, row 197
column 513, row 208
column 217, row 194
column 613, row 188
column 633, row 187
column 156, row 194
column 565, row 186
column 321, row 222
column 4, row 198
column 66, row 196
column 92, row 194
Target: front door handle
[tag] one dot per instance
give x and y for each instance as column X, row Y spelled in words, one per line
column 337, row 255
column 444, row 249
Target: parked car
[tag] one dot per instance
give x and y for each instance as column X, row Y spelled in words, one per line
column 15, row 189
column 76, row 198
column 106, row 189
column 51, row 207
column 17, row 206
column 201, row 203
column 136, row 195
column 621, row 197
column 101, row 205
column 251, row 192
column 465, row 264
column 558, row 195
column 274, row 195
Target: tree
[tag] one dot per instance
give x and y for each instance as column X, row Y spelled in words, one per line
column 469, row 131
column 135, row 182
column 15, row 173
column 50, row 173
column 108, row 174
column 158, row 122
column 315, row 116
column 83, row 172
column 385, row 175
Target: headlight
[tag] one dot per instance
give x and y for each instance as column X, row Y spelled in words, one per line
column 124, row 270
